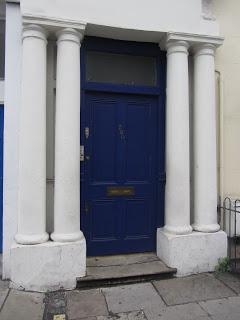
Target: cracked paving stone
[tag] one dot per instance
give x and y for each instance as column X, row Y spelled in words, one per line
column 134, row 297
column 190, row 311
column 231, row 280
column 223, row 309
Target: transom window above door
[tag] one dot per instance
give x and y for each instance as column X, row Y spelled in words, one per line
column 109, row 65
column 114, row 68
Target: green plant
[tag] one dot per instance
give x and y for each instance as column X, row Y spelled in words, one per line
column 223, row 265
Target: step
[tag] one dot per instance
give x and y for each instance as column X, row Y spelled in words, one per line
column 122, row 269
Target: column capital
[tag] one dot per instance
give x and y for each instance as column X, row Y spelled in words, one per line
column 174, row 46
column 191, row 38
column 34, row 31
column 70, row 34
column 204, row 49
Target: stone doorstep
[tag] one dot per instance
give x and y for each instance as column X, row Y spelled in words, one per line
column 133, row 268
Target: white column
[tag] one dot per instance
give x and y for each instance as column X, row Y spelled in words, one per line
column 177, row 194
column 205, row 159
column 32, row 143
column 67, row 139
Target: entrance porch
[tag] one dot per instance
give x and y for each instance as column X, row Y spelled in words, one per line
column 43, row 259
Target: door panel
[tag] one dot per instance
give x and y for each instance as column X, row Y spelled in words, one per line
column 137, row 153
column 104, row 220
column 102, row 128
column 137, row 210
column 120, row 152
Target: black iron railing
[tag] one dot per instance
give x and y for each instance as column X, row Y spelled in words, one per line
column 229, row 219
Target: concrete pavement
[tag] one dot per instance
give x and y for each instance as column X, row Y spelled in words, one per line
column 199, row 297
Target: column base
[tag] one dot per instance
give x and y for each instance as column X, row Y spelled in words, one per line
column 178, row 230
column 67, row 237
column 193, row 253
column 206, row 227
column 47, row 267
column 31, row 238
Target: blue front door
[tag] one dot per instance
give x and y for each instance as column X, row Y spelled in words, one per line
column 1, row 174
column 119, row 188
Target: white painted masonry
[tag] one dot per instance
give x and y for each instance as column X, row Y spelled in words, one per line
column 67, row 138
column 32, row 158
column 204, row 142
column 192, row 253
column 48, row 266
column 13, row 59
column 204, row 159
column 177, row 208
column 180, row 27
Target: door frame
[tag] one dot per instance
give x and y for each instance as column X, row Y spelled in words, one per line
column 130, row 48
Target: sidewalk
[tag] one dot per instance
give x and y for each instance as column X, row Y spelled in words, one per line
column 198, row 297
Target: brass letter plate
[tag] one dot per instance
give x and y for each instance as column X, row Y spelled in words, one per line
column 120, row 191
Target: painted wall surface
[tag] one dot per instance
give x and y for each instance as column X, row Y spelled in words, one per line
column 153, row 16
column 11, row 129
column 228, row 64
column 1, row 91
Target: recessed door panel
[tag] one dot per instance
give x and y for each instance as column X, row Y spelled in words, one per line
column 104, row 220
column 138, row 142
column 103, row 124
column 137, row 220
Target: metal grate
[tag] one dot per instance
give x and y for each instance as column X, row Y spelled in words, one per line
column 229, row 219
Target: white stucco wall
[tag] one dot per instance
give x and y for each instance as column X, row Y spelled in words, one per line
column 152, row 16
column 228, row 64
column 11, row 130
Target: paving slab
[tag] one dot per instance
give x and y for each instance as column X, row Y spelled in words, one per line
column 23, row 306
column 122, row 259
column 190, row 311
column 88, row 318
column 83, row 304
column 132, row 298
column 136, row 315
column 223, row 309
column 230, row 280
column 191, row 289
column 4, row 288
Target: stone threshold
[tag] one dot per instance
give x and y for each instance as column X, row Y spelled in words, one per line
column 124, row 269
